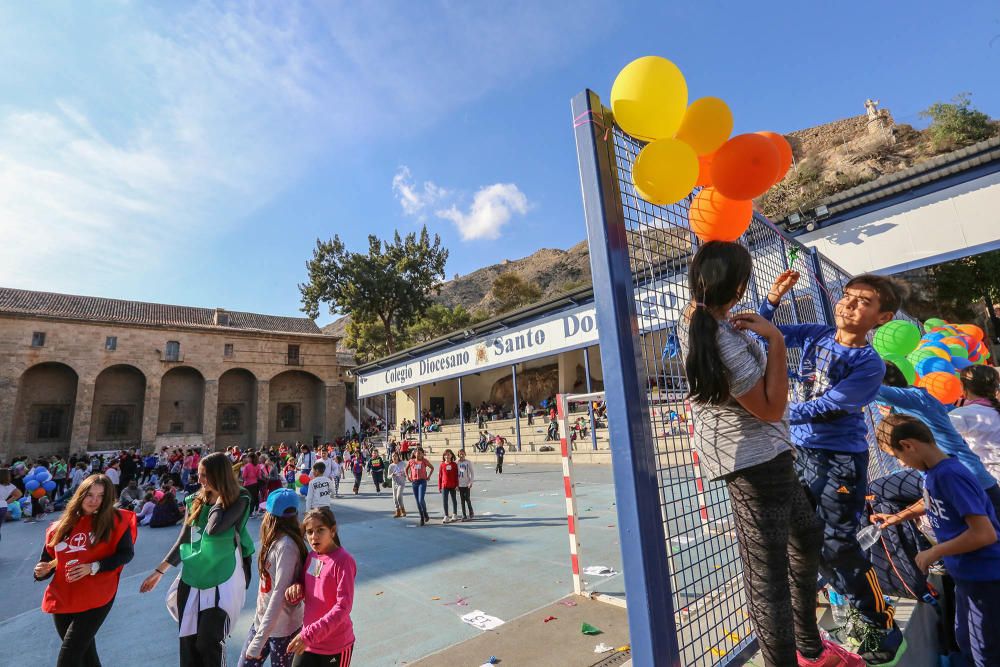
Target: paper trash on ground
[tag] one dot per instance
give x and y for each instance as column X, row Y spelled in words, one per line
column 603, row 648
column 481, row 620
column 599, row 571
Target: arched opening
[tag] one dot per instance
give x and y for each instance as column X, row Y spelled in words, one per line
column 236, row 421
column 119, row 398
column 182, row 402
column 296, row 408
column 46, row 396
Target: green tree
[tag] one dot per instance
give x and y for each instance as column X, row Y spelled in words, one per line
column 440, row 320
column 964, row 283
column 957, row 124
column 382, row 290
column 510, row 291
column 367, row 339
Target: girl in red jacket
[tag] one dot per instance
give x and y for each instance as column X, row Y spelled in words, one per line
column 448, row 484
column 86, row 550
column 327, row 586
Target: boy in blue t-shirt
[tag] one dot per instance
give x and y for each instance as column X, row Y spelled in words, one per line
column 967, row 531
column 838, row 376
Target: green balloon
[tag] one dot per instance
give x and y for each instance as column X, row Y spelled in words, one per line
column 917, row 356
column 934, row 323
column 896, row 337
column 958, row 351
column 904, row 365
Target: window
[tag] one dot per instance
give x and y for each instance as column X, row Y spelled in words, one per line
column 50, row 421
column 38, row 339
column 111, row 343
column 227, row 350
column 293, row 355
column 289, row 415
column 230, row 421
column 116, row 423
column 173, row 352
column 176, row 427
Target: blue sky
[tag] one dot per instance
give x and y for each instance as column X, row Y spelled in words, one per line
column 192, row 153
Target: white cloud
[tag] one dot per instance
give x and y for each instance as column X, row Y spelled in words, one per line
column 412, row 198
column 492, row 207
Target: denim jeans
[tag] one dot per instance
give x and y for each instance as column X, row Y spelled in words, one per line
column 419, row 493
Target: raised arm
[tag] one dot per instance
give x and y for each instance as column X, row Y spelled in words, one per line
column 768, row 398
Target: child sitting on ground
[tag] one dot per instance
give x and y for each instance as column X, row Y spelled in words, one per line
column 320, row 488
column 966, row 527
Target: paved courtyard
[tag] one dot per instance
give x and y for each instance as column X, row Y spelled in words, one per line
column 413, row 583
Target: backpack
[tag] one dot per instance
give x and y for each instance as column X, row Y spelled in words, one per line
column 893, row 556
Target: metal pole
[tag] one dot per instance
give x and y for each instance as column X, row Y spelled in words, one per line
column 590, row 404
column 517, row 412
column 385, row 416
column 420, row 426
column 461, row 415
column 571, row 517
column 645, row 560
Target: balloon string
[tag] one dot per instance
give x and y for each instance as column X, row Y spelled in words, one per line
column 592, row 120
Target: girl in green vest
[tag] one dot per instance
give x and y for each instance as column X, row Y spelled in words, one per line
column 213, row 550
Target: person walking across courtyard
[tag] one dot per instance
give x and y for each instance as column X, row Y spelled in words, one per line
column 466, row 477
column 84, row 553
column 418, row 471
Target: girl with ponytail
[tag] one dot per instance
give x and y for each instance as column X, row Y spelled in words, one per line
column 739, row 393
column 978, row 420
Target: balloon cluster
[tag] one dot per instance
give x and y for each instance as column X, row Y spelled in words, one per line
column 38, row 482
column 932, row 360
column 690, row 146
column 302, row 483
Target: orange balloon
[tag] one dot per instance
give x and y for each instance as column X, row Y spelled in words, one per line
column 958, row 340
column 784, row 153
column 972, row 331
column 715, row 217
column 704, row 170
column 945, row 387
column 745, row 166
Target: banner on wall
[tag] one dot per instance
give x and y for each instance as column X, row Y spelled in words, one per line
column 657, row 306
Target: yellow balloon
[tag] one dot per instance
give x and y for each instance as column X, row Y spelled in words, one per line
column 665, row 171
column 649, row 98
column 707, row 124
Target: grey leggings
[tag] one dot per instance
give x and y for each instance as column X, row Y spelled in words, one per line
column 780, row 538
column 397, row 493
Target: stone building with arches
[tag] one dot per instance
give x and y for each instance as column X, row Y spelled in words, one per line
column 85, row 373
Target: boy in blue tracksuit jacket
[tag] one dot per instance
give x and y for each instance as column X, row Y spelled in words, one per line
column 838, row 376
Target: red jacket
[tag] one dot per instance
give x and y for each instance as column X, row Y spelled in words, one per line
column 62, row 597
column 448, row 475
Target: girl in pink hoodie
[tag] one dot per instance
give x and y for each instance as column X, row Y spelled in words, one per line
column 327, row 586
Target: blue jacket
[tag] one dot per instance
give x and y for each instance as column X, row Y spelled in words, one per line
column 834, row 383
column 917, row 402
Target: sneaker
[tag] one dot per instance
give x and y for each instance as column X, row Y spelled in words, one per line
column 465, row 518
column 833, row 655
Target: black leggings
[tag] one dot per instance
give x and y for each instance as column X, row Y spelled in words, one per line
column 77, row 631
column 780, row 538
column 449, row 493
column 307, row 659
column 466, row 494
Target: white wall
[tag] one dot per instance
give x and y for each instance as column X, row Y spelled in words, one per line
column 944, row 225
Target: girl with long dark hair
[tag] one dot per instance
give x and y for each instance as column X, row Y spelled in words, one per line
column 739, row 392
column 978, row 420
column 86, row 550
column 208, row 595
column 282, row 554
column 327, row 587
